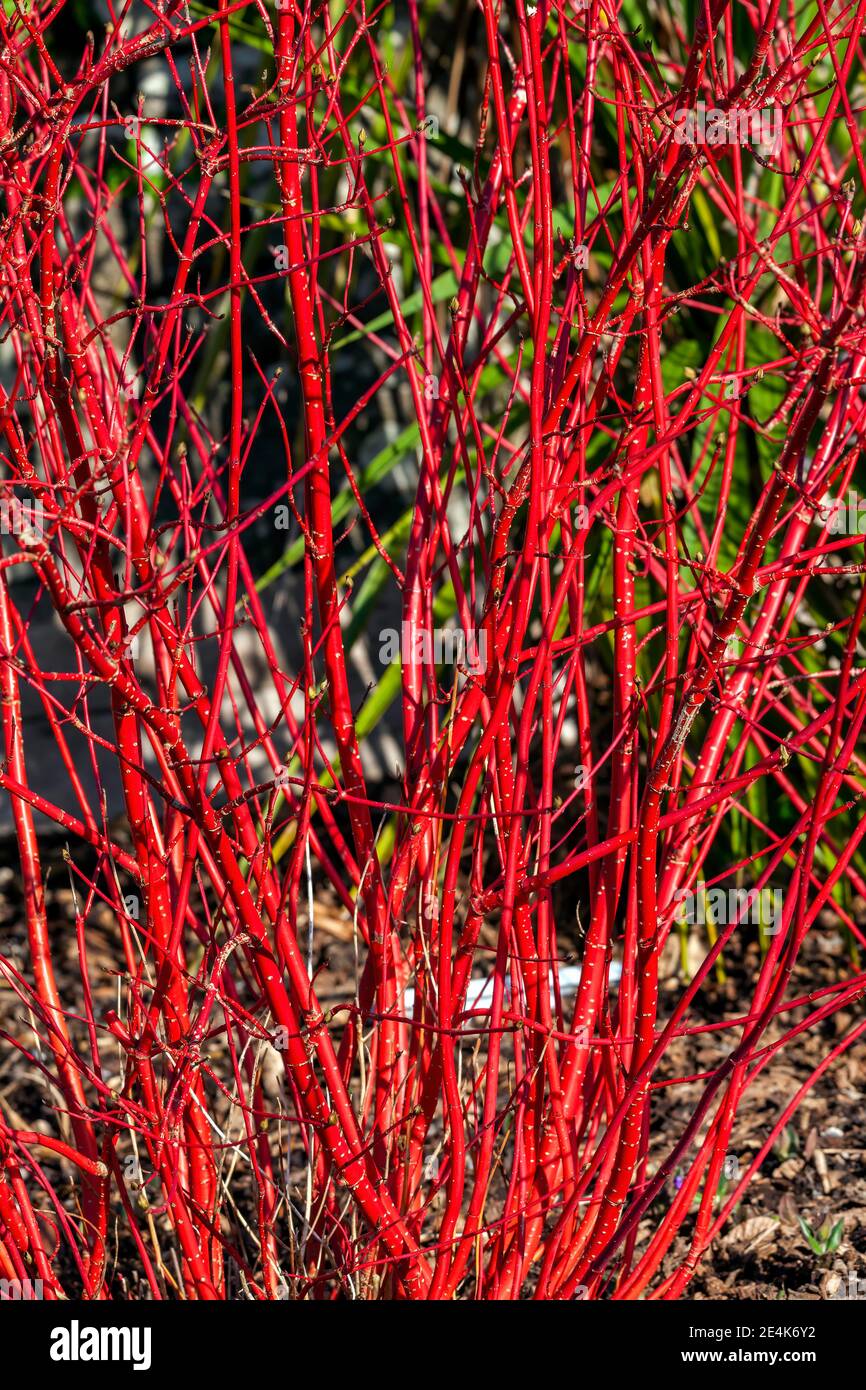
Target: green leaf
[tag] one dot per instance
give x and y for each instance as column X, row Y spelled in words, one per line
column 443, row 287
column 704, row 214
column 377, row 469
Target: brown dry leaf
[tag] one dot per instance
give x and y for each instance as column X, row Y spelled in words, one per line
column 790, row 1168
column 821, row 1169
column 756, row 1231
column 833, row 1285
column 788, row 1210
column 848, row 1076
column 669, row 961
column 333, row 921
column 273, row 1073
column 715, row 1288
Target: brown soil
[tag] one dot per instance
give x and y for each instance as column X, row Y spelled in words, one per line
column 816, row 1171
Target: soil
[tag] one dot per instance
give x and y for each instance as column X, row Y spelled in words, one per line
column 814, row 1176
column 815, row 1173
